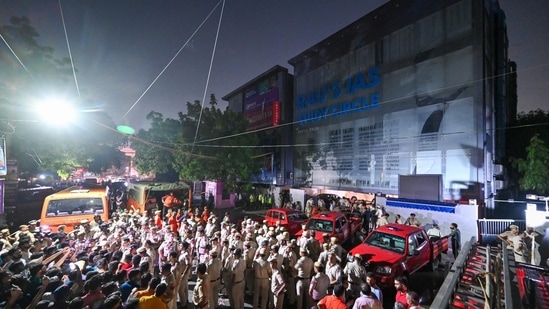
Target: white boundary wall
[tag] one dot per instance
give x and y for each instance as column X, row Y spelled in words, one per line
column 465, row 216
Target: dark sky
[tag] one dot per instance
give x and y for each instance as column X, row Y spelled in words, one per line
column 120, row 46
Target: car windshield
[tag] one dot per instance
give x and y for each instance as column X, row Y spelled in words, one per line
column 320, row 225
column 297, row 217
column 74, row 206
column 386, row 241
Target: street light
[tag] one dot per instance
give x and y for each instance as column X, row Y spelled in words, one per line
column 52, row 109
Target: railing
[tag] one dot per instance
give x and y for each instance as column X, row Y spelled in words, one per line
column 489, row 229
column 506, row 278
column 476, row 279
column 448, row 287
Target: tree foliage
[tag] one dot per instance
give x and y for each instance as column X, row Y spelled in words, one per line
column 535, row 168
column 518, row 136
column 31, row 73
column 155, row 147
column 217, row 149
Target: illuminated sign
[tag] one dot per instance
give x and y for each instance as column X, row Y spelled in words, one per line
column 276, row 113
column 312, row 107
column 261, row 104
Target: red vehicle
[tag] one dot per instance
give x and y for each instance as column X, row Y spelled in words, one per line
column 335, row 224
column 396, row 249
column 290, row 219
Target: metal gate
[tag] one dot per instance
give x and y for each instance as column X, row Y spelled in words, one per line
column 489, row 229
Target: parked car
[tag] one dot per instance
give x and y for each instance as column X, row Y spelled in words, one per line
column 290, row 219
column 335, row 224
column 396, row 249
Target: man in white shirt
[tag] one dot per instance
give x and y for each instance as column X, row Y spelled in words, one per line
column 434, row 233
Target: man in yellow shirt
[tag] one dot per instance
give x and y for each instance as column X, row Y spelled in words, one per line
column 154, row 301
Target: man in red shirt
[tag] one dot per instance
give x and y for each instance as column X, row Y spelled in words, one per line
column 401, row 285
column 334, row 301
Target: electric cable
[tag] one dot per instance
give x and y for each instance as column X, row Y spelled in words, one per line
column 173, row 58
column 69, row 48
column 209, row 74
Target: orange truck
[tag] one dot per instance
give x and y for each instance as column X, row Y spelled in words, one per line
column 72, row 205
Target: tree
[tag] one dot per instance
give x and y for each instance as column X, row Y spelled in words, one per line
column 155, row 147
column 535, row 169
column 222, row 150
column 29, row 72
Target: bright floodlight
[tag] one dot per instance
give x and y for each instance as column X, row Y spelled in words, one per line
column 56, row 111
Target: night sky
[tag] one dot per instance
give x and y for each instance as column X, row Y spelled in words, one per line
column 120, row 46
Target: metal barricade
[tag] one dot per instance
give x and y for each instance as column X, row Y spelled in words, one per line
column 475, row 279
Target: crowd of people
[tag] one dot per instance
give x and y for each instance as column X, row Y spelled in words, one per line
column 146, row 261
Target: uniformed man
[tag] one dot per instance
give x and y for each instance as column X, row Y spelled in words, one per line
column 274, row 253
column 337, row 249
column 4, row 238
column 356, row 273
column 237, row 269
column 201, row 292
column 278, row 285
column 85, row 226
column 507, row 236
column 185, row 263
column 333, row 270
column 249, row 256
column 227, row 274
column 24, row 231
column 313, row 246
column 304, row 268
column 262, row 273
column 412, row 220
column 33, row 227
column 214, row 271
column 289, row 272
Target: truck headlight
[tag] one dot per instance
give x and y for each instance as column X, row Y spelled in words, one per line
column 384, row 270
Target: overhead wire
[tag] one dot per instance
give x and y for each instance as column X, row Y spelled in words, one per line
column 209, row 74
column 69, row 48
column 173, row 58
column 195, row 143
column 16, row 57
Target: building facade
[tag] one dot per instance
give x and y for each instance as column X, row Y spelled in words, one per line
column 266, row 101
column 412, row 88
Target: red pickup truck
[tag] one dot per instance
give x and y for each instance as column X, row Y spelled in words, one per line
column 335, row 224
column 290, row 219
column 396, row 249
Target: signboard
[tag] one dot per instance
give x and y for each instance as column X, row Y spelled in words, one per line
column 276, row 113
column 261, row 105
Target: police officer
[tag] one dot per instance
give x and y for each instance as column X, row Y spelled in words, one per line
column 262, row 273
column 228, row 276
column 304, row 268
column 238, row 268
column 214, row 271
column 356, row 273
column 249, row 256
